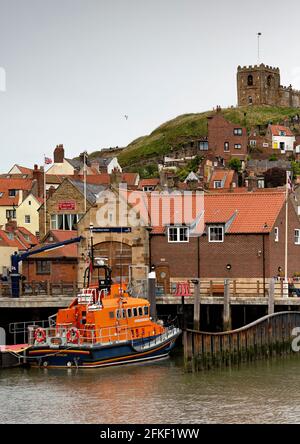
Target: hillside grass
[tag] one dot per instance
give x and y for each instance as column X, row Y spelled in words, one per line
column 184, row 128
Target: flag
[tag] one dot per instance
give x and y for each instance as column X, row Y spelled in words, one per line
column 47, row 161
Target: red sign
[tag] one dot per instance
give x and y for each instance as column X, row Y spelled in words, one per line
column 183, row 289
column 67, row 205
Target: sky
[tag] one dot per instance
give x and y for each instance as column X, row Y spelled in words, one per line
column 70, row 70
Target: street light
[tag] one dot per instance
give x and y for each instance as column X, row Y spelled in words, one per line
column 264, row 259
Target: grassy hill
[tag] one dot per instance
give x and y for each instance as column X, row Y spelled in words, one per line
column 173, row 133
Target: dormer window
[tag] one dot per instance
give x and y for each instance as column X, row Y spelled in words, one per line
column 216, row 233
column 178, row 234
column 218, row 184
column 12, row 193
column 282, row 133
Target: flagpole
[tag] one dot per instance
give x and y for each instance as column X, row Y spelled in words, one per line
column 84, row 180
column 45, row 198
column 286, row 229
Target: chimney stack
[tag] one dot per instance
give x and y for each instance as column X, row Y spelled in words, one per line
column 59, row 154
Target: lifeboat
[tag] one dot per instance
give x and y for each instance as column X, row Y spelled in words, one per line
column 103, row 326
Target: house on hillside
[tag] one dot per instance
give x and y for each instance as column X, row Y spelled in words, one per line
column 225, row 139
column 281, row 138
column 223, row 179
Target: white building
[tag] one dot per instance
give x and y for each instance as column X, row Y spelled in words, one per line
column 282, row 137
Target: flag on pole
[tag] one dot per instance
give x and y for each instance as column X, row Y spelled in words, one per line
column 47, row 161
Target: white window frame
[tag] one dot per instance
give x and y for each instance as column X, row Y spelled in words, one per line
column 27, row 219
column 218, row 184
column 297, row 236
column 227, row 150
column 209, row 233
column 238, row 131
column 276, row 234
column 237, row 146
column 178, row 234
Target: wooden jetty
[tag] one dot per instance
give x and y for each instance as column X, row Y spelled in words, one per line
column 268, row 336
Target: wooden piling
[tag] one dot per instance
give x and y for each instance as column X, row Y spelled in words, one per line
column 226, row 309
column 196, row 283
column 271, row 296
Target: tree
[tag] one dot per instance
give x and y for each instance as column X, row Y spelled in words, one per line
column 275, row 177
column 235, row 164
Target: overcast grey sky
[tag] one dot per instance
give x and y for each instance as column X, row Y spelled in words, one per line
column 74, row 68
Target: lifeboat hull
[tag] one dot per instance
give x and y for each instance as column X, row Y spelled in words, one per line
column 127, row 352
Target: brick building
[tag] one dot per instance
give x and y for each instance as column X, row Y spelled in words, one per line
column 66, row 206
column 54, row 265
column 225, row 139
column 243, row 238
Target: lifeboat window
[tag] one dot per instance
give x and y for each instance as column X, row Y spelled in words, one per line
column 118, row 314
column 146, row 310
column 124, row 313
column 111, row 314
column 134, row 310
column 129, row 313
column 140, row 311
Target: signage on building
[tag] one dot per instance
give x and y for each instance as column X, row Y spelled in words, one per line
column 67, row 205
column 111, row 230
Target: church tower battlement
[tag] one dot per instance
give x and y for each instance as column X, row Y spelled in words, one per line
column 260, row 85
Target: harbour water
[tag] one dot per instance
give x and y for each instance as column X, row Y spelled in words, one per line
column 260, row 392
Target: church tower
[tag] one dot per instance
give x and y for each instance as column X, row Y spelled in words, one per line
column 258, row 85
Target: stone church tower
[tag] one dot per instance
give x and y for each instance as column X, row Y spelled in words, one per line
column 260, row 85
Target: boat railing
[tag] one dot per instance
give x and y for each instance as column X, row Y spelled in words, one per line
column 67, row 335
column 19, row 330
column 149, row 342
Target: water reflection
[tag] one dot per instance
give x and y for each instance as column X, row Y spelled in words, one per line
column 263, row 392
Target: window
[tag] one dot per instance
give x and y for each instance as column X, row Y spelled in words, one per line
column 134, row 311
column 276, row 234
column 282, row 133
column 218, row 184
column 250, row 101
column 12, row 193
column 282, row 146
column 203, row 145
column 252, row 142
column 238, row 131
column 64, row 221
column 27, row 219
column 29, row 202
column 261, row 183
column 250, row 80
column 216, row 233
column 129, row 313
column 297, row 237
column 10, row 235
column 10, row 214
column 140, row 311
column 146, row 310
column 43, row 267
column 226, row 146
column 148, row 188
column 111, row 315
column 124, row 313
column 178, row 234
column 237, row 146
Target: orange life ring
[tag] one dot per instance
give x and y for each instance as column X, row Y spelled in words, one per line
column 40, row 335
column 73, row 335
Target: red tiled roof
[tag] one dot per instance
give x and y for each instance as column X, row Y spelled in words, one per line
column 275, row 130
column 148, row 182
column 246, row 212
column 20, row 241
column 226, row 176
column 12, row 184
column 24, row 170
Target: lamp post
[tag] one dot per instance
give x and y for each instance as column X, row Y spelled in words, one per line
column 264, row 258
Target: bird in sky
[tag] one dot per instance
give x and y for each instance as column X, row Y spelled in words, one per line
column 126, row 117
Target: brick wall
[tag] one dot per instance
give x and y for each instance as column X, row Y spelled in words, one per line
column 61, row 270
column 244, row 252
column 221, row 131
